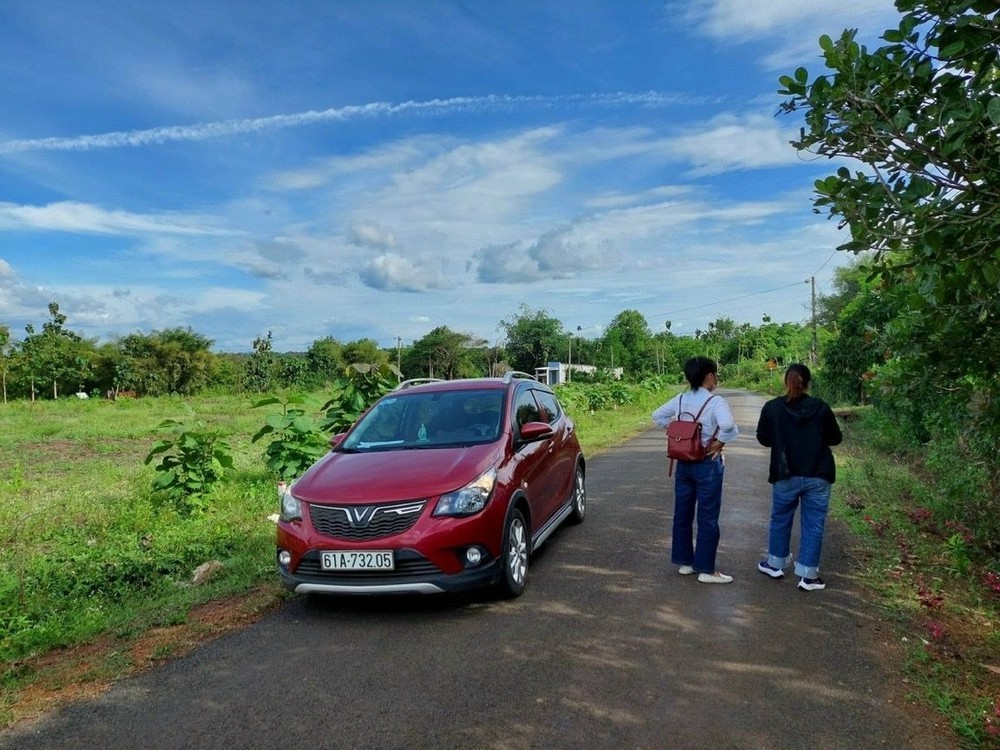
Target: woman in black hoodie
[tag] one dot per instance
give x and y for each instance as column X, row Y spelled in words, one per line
column 799, row 430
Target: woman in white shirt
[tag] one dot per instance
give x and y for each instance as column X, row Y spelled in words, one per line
column 698, row 485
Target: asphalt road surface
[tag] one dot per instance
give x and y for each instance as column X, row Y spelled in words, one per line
column 608, row 648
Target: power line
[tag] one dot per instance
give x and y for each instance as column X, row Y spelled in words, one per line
column 825, row 262
column 731, row 299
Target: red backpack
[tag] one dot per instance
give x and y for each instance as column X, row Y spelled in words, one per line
column 684, row 437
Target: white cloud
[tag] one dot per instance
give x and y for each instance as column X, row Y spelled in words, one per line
column 71, row 216
column 722, row 19
column 727, row 143
column 394, row 273
column 372, row 235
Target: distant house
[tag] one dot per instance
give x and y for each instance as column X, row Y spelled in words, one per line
column 557, row 373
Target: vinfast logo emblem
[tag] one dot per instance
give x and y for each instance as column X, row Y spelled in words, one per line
column 361, row 516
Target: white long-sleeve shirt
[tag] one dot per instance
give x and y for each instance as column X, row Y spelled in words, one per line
column 716, row 414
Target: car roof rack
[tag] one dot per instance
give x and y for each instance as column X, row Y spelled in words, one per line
column 512, row 374
column 416, row 381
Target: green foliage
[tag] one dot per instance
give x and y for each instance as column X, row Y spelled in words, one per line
column 358, row 388
column 920, row 113
column 192, row 461
column 443, row 353
column 533, row 339
column 629, row 335
column 297, row 441
column 261, row 367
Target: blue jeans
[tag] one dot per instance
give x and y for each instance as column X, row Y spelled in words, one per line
column 813, row 494
column 697, row 492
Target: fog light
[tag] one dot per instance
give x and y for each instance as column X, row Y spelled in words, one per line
column 284, row 557
column 473, row 555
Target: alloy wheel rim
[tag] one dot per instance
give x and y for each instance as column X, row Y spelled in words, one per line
column 517, row 553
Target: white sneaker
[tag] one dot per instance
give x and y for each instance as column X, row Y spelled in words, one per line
column 715, row 577
column 685, row 570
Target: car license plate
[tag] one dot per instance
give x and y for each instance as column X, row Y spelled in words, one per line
column 357, row 560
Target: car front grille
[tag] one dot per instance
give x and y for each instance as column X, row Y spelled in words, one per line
column 356, row 523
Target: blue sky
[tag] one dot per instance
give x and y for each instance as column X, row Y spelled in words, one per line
column 378, row 168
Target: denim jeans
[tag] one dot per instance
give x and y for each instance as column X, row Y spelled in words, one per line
column 697, row 494
column 813, row 494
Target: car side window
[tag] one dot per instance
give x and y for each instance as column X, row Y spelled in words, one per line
column 526, row 410
column 549, row 405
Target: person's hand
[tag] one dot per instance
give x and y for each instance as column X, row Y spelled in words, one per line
column 714, row 447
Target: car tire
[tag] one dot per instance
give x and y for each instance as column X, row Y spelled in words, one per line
column 579, row 500
column 514, row 555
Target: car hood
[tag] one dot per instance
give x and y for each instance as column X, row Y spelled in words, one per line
column 385, row 476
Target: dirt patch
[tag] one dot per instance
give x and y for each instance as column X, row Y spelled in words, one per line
column 69, row 675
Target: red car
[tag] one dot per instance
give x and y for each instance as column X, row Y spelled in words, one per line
column 441, row 486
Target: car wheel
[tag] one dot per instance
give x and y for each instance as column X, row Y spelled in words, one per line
column 515, row 555
column 579, row 498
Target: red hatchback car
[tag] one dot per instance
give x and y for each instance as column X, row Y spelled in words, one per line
column 441, row 486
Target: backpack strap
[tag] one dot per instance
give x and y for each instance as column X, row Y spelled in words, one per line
column 702, row 407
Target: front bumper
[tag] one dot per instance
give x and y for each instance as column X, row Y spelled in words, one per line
column 414, row 574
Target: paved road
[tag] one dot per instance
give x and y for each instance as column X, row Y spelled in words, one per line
column 608, row 648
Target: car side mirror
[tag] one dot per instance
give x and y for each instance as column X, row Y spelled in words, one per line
column 531, row 431
column 335, row 440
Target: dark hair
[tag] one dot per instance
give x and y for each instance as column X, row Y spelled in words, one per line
column 797, row 378
column 697, row 369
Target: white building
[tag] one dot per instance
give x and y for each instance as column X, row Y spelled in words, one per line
column 557, row 373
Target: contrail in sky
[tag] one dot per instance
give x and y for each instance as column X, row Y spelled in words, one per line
column 208, row 130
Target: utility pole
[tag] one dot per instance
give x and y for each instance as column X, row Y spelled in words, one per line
column 569, row 368
column 399, row 358
column 813, row 354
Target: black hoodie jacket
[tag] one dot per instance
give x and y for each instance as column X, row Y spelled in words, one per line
column 799, row 434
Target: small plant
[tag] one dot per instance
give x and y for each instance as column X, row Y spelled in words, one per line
column 193, row 461
column 361, row 385
column 297, row 441
column 957, row 546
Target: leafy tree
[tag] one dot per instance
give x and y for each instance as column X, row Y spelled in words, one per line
column 443, row 353
column 365, row 351
column 632, row 341
column 260, row 368
column 53, row 354
column 852, row 358
column 326, row 359
column 848, row 283
column 179, row 361
column 292, row 371
column 922, row 115
column 533, row 338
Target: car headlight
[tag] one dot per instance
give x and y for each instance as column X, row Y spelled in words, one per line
column 291, row 508
column 469, row 499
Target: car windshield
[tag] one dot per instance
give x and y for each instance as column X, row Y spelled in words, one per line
column 433, row 419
